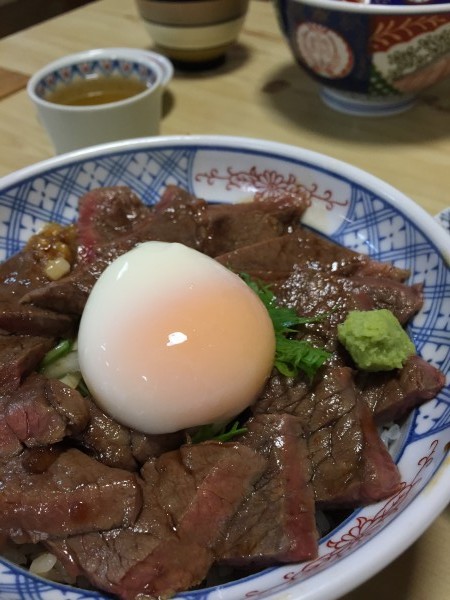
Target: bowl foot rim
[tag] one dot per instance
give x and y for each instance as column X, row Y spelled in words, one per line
column 362, row 105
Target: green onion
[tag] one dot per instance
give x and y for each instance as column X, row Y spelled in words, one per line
column 82, row 388
column 211, row 432
column 60, row 350
column 291, row 355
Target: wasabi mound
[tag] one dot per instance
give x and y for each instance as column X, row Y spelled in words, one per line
column 375, row 340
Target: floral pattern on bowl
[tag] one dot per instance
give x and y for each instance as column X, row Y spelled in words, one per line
column 372, row 58
column 409, row 55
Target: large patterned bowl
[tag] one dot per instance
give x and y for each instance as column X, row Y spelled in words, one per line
column 350, row 207
column 371, row 57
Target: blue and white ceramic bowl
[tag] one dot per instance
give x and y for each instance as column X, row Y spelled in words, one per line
column 370, row 57
column 350, row 207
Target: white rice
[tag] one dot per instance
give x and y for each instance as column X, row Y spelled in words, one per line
column 389, row 434
column 43, row 564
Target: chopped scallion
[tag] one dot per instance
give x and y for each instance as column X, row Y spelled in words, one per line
column 60, row 350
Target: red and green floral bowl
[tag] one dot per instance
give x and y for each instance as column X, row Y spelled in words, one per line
column 371, row 57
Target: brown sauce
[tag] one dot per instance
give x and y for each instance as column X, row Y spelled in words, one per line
column 54, row 241
column 98, row 90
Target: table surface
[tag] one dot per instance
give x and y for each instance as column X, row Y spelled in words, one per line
column 259, row 92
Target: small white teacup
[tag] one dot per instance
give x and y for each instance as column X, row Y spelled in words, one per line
column 98, row 96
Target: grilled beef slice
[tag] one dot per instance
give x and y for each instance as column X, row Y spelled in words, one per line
column 68, row 498
column 231, row 226
column 189, row 497
column 19, row 275
column 392, row 394
column 277, row 257
column 276, row 522
column 236, row 226
column 118, row 446
column 311, row 293
column 10, row 445
column 19, row 356
column 145, row 446
column 42, row 412
column 350, row 464
column 106, row 214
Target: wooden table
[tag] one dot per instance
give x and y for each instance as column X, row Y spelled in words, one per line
column 259, row 92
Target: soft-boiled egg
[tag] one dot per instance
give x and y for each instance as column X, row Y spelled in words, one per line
column 171, row 339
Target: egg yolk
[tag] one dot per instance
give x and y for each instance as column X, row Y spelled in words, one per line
column 171, row 339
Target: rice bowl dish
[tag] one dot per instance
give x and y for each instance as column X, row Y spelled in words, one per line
column 347, row 206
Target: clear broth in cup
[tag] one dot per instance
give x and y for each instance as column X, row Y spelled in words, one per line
column 97, row 90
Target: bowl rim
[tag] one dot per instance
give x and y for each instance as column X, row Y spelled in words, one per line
column 375, row 9
column 432, row 500
column 324, row 161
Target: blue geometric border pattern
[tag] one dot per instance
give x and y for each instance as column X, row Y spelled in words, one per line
column 17, row 585
column 432, row 417
column 386, row 235
column 389, row 237
column 54, row 196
